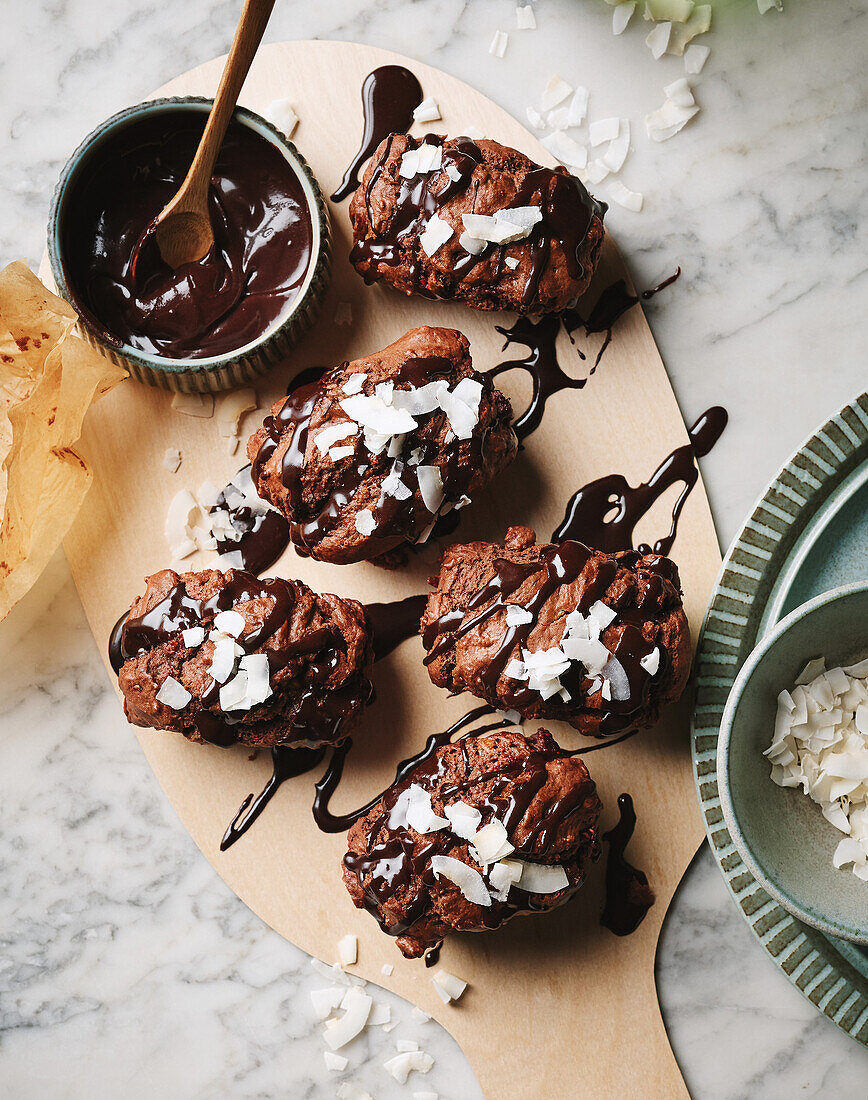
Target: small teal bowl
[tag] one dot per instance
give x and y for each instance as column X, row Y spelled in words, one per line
column 217, row 372
column 780, row 833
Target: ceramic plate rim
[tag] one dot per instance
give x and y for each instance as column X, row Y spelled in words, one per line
column 729, row 633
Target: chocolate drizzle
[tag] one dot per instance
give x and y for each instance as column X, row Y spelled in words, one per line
column 605, row 512
column 316, row 712
column 392, row 623
column 389, row 96
column 397, row 521
column 558, row 566
column 264, row 534
column 628, row 895
column 567, row 213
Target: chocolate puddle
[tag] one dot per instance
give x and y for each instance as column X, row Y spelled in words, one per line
column 389, row 96
column 628, row 895
column 392, row 623
column 604, row 512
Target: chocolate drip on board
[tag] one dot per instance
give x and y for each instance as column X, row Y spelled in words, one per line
column 389, row 96
column 605, row 512
column 540, row 338
column 392, row 623
column 628, row 895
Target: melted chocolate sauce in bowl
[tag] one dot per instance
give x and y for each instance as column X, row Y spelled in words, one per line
column 224, row 317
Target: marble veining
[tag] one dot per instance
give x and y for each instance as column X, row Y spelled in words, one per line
column 127, row 967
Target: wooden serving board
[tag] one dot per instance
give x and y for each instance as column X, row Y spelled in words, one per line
column 557, row 1006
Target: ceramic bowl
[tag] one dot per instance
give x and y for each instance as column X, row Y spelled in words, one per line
column 220, row 371
column 780, row 832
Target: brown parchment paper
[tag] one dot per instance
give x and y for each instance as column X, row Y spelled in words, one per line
column 557, row 1006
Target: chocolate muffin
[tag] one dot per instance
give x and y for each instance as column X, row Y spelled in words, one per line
column 559, row 631
column 364, row 460
column 476, row 221
column 228, row 658
column 493, row 825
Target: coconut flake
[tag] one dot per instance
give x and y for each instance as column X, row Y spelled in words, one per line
column 325, row 1001
column 281, row 113
column 172, row 459
column 555, row 92
column 412, row 808
column 516, row 615
column 491, row 843
column 605, row 129
column 223, row 659
column 676, row 10
column 535, row 118
column 430, row 158
column 623, row 196
column 357, row 1006
column 563, row 148
column 469, row 881
column 542, row 878
column 616, row 154
column 651, row 662
column 427, row 111
column 232, row 407
column 596, row 171
column 679, row 91
column 682, row 33
column 402, row 1065
column 173, row 694
column 229, row 622
column 258, row 678
column 326, row 437
column 348, row 950
column 621, row 16
column 657, row 40
column 695, row 57
column 335, row 1062
column 193, row 636
column 502, row 876
column 525, row 20
column 194, row 404
column 386, row 970
column 452, row 985
column 364, row 522
column 436, row 233
column 498, row 45
column 764, row 6
column 431, row 487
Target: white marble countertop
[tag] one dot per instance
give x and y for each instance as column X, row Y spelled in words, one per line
column 127, row 967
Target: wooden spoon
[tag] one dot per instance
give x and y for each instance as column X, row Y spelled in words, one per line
column 183, row 227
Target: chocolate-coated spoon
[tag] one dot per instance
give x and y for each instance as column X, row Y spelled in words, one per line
column 183, row 227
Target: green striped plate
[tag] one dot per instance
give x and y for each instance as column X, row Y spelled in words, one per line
column 807, row 534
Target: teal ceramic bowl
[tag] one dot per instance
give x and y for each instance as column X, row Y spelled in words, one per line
column 218, row 372
column 780, row 833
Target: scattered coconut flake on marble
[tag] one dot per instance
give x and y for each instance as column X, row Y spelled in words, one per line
column 281, row 113
column 695, row 57
column 335, row 1062
column 525, row 20
column 555, row 92
column 342, row 1030
column 436, row 233
column 426, row 1096
column 381, row 1016
column 596, row 171
column 764, row 6
column 621, row 16
column 683, row 33
column 578, row 107
column 619, row 147
column 194, row 404
column 349, row 1090
column 535, row 118
column 668, row 120
column 680, row 92
column 427, row 111
column 657, row 40
column 563, row 148
column 343, row 315
column 820, row 743
column 498, row 45
column 325, row 1001
column 172, row 459
column 420, row 1014
column 173, row 694
column 232, row 407
column 604, row 129
column 452, row 985
column 402, row 1065
column 542, row 878
column 466, row 878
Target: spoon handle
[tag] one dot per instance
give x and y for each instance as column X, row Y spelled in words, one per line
column 248, row 35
